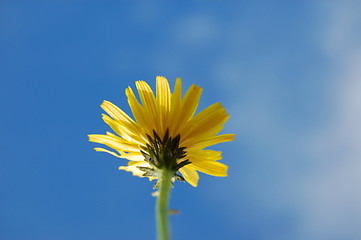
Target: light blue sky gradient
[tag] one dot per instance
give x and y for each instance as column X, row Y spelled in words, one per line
column 288, row 73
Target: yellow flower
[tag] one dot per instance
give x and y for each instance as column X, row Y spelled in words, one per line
column 166, row 132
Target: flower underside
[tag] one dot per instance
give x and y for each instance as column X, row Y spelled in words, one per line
column 163, row 154
column 166, row 133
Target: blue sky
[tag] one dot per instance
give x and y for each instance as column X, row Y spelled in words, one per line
column 288, row 74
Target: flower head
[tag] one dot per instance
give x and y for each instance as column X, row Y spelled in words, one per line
column 166, row 133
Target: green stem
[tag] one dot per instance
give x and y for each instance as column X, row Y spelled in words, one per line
column 162, row 210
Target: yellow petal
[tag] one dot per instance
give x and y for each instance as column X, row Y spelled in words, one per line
column 212, row 141
column 147, row 97
column 190, row 101
column 114, row 142
column 129, row 156
column 207, row 155
column 188, row 107
column 211, row 167
column 205, row 124
column 190, row 175
column 163, row 103
column 175, row 112
column 121, row 130
column 133, row 168
column 107, row 151
column 138, row 111
column 120, row 115
column 133, row 156
column 111, row 134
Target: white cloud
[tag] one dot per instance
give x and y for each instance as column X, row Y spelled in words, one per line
column 196, row 29
column 331, row 195
column 325, row 198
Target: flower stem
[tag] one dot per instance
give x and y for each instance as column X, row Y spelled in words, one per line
column 162, row 210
